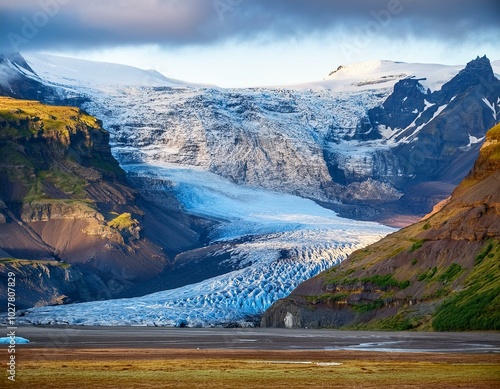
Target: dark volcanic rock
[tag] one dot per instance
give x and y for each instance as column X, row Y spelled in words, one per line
column 445, row 141
column 402, row 107
column 437, row 137
column 477, row 72
column 50, row 283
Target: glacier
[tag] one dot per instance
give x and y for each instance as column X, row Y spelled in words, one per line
column 312, row 238
column 243, row 210
column 269, row 137
column 251, row 160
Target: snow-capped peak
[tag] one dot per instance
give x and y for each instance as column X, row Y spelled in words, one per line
column 383, row 74
column 355, row 69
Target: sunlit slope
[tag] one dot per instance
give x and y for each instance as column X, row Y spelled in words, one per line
column 442, row 272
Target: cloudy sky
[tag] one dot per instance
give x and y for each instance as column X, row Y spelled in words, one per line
column 253, row 42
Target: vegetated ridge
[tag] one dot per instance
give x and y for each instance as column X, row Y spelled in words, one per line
column 442, row 273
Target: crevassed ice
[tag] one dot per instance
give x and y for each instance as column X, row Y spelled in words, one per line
column 153, row 125
column 313, row 237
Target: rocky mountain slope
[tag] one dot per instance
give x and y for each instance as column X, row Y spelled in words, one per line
column 18, row 80
column 71, row 226
column 442, row 272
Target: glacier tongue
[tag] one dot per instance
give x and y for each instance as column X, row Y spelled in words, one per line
column 207, row 142
column 292, row 239
column 227, row 299
column 244, row 210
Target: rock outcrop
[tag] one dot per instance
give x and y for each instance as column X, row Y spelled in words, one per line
column 49, row 282
column 434, row 136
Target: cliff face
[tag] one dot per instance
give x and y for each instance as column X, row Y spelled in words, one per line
column 442, row 272
column 64, row 199
column 49, row 282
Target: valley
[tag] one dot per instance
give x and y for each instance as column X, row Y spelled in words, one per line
column 269, row 186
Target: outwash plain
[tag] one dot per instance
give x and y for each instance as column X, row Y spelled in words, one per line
column 143, row 357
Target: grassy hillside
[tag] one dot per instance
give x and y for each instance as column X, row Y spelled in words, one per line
column 51, row 153
column 442, row 273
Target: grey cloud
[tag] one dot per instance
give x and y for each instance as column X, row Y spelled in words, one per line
column 79, row 24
